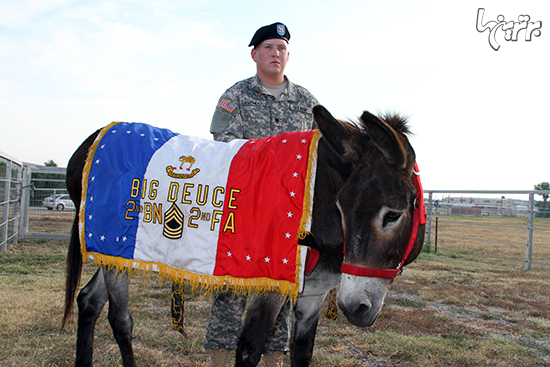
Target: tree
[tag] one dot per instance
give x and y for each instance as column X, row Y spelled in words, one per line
column 543, row 186
column 543, row 206
column 50, row 163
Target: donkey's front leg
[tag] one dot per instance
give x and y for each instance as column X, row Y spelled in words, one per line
column 306, row 317
column 260, row 316
column 119, row 314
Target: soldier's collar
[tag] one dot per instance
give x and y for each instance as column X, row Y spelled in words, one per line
column 290, row 89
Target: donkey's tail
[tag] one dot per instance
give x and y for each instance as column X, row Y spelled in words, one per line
column 74, row 256
column 73, row 272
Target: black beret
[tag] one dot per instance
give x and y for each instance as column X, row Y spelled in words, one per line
column 275, row 30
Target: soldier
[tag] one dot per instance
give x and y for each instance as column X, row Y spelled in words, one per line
column 264, row 105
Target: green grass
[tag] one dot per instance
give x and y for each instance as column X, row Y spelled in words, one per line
column 32, row 259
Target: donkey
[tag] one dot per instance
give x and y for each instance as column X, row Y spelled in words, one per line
column 368, row 223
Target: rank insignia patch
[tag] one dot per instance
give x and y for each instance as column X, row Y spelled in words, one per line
column 228, row 106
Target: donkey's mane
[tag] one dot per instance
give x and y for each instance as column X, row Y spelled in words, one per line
column 398, row 122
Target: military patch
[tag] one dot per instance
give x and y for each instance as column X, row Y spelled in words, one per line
column 281, row 29
column 228, row 106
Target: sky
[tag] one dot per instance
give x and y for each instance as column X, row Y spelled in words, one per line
column 479, row 115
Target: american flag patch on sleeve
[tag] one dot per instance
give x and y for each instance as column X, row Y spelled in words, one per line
column 228, row 106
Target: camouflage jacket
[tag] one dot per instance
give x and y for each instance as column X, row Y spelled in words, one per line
column 248, row 110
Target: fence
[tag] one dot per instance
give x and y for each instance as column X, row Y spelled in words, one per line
column 485, row 224
column 47, row 211
column 10, row 187
column 489, row 226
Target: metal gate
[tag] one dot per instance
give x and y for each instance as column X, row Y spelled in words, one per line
column 47, row 211
column 10, row 187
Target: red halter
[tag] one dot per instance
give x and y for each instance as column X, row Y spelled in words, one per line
column 419, row 217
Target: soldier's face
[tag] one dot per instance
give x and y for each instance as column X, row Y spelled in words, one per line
column 271, row 56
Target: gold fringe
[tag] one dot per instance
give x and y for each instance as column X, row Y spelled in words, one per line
column 303, row 231
column 309, row 185
column 85, row 174
column 207, row 283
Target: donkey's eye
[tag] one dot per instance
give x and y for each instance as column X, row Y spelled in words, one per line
column 391, row 216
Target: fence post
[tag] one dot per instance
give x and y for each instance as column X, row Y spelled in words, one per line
column 436, row 231
column 17, row 210
column 25, row 200
column 428, row 237
column 530, row 226
column 5, row 220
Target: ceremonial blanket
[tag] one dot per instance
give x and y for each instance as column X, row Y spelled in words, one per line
column 210, row 213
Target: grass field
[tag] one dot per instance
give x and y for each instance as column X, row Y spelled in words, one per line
column 493, row 237
column 448, row 309
column 51, row 221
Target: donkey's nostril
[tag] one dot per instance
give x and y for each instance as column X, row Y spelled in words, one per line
column 363, row 308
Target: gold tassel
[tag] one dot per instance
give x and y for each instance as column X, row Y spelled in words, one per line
column 332, row 309
column 178, row 309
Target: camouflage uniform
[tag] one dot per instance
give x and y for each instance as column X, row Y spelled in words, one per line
column 248, row 110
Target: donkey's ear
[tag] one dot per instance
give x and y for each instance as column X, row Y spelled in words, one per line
column 386, row 140
column 338, row 135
